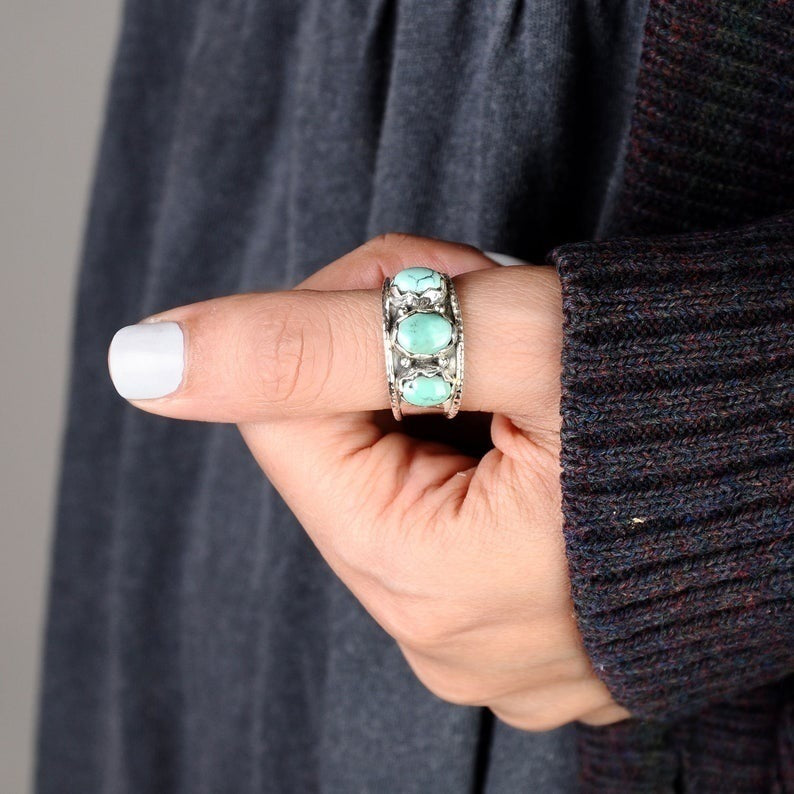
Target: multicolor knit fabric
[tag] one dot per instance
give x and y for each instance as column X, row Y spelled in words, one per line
column 678, row 415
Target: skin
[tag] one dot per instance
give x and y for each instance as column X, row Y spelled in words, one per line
column 458, row 556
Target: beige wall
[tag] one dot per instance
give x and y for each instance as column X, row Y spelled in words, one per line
column 54, row 61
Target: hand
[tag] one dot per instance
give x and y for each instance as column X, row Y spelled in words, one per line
column 460, row 559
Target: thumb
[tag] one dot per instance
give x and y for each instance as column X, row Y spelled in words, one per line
column 310, row 351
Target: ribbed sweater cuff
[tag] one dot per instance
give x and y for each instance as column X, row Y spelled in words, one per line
column 677, row 457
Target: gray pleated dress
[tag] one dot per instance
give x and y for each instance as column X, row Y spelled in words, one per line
column 197, row 642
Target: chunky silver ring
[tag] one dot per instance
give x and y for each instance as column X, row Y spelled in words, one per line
column 423, row 342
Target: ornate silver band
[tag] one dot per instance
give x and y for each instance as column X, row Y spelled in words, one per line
column 423, row 342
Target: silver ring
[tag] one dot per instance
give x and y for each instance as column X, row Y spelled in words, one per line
column 423, row 342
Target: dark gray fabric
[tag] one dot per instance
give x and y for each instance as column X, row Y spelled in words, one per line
column 197, row 642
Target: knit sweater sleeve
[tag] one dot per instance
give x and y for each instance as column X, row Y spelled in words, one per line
column 677, row 458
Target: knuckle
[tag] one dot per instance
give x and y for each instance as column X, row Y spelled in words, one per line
column 357, row 549
column 535, row 721
column 388, row 242
column 394, row 250
column 285, row 354
column 462, row 692
column 415, row 627
column 605, row 716
column 450, row 686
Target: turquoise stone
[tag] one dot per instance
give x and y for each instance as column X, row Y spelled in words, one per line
column 424, row 333
column 426, row 390
column 417, row 279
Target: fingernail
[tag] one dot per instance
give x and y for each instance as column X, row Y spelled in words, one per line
column 147, row 360
column 504, row 259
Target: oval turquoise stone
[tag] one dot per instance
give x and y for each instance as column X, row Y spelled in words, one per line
column 426, row 390
column 424, row 333
column 417, row 279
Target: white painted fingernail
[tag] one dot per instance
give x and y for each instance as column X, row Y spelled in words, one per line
column 147, row 360
column 504, row 259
